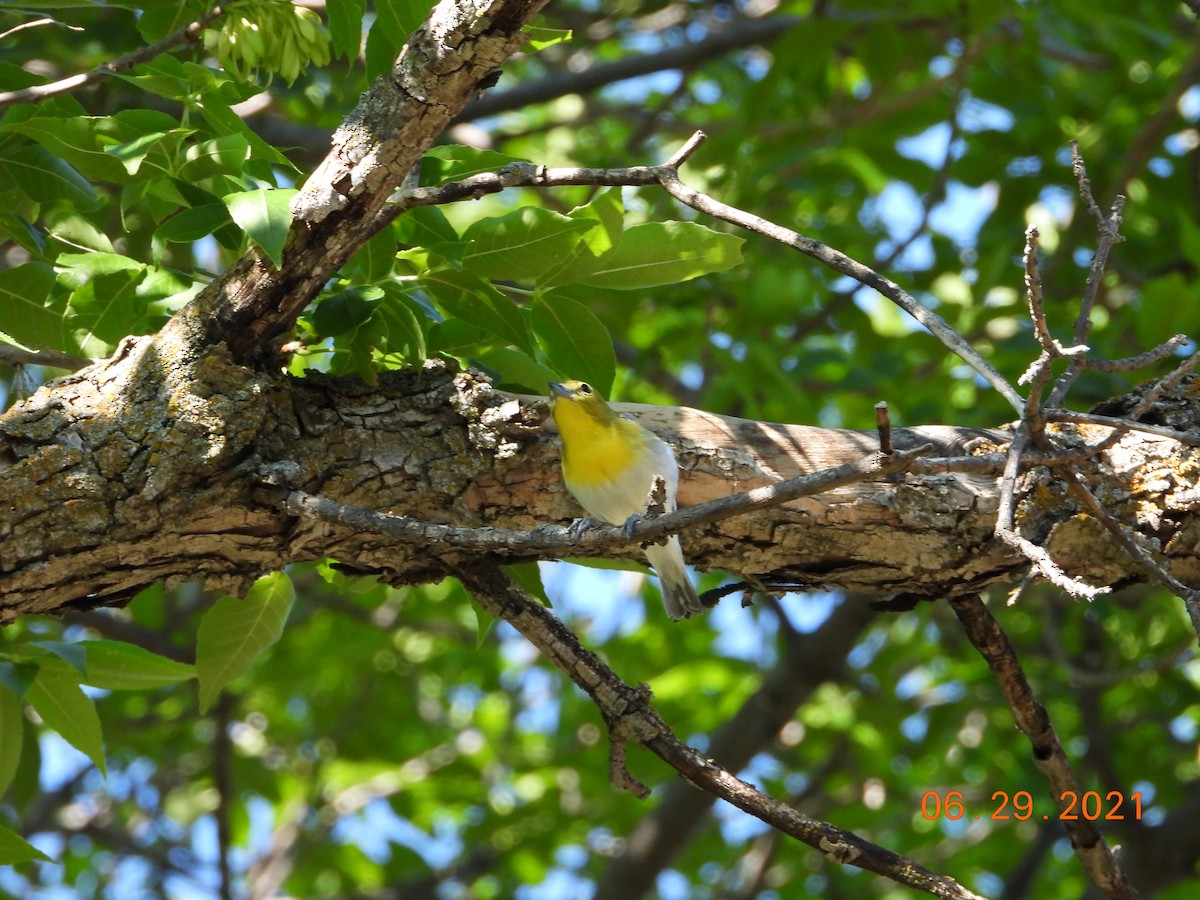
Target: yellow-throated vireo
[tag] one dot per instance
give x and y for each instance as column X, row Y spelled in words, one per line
column 609, row 464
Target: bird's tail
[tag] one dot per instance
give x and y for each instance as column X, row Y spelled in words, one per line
column 679, row 597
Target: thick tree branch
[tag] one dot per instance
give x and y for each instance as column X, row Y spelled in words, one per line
column 441, row 67
column 565, row 541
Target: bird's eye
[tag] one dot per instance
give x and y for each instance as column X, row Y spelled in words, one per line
column 585, row 388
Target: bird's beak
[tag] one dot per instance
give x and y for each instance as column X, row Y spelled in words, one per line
column 556, row 388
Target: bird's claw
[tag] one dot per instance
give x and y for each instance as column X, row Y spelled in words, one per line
column 579, row 526
column 630, row 524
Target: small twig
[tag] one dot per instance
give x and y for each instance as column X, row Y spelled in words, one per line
column 1143, row 406
column 19, row 356
column 1121, row 425
column 528, row 175
column 1108, row 229
column 1033, row 290
column 1189, row 596
column 124, row 63
column 684, row 153
column 1079, row 170
column 1006, row 529
column 1048, row 754
column 555, row 539
column 883, row 424
column 1129, row 363
column 36, row 23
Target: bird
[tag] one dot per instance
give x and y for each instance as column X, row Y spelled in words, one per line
column 609, row 464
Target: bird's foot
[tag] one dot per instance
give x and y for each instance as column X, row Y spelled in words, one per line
column 579, row 526
column 630, row 524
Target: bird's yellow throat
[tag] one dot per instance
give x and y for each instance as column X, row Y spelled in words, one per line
column 596, row 448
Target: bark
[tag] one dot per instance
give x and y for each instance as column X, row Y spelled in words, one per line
column 152, row 466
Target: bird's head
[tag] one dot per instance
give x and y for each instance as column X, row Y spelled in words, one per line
column 581, row 397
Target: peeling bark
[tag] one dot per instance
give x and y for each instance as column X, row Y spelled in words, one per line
column 149, row 467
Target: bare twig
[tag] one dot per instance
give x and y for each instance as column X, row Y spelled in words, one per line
column 1190, row 596
column 1130, row 422
column 39, row 92
column 1048, row 754
column 1007, row 532
column 528, row 175
column 1121, row 425
column 551, row 539
column 883, row 424
column 36, row 23
column 1109, row 230
column 19, row 356
column 638, row 721
column 1129, row 363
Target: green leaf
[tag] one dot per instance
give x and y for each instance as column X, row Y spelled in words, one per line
column 399, row 327
column 80, row 141
column 576, row 342
column 265, row 215
column 588, row 255
column 133, row 153
column 659, row 253
column 159, row 20
column 541, row 37
column 45, row 177
column 522, row 245
column 104, row 310
column 344, row 311
column 454, row 162
column 17, row 676
column 374, row 260
column 193, row 224
column 23, row 233
column 15, row 850
column 69, row 228
column 224, row 121
column 427, row 226
column 224, row 155
column 529, row 577
column 345, row 25
column 12, row 736
column 26, row 312
column 472, row 299
column 515, row 369
column 64, row 707
column 70, row 653
column 116, row 665
column 234, row 632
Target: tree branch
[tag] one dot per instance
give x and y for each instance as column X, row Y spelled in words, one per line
column 555, row 538
column 528, row 175
column 629, row 716
column 39, row 92
column 1048, row 754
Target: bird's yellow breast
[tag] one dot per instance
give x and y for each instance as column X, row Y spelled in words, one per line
column 594, row 451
